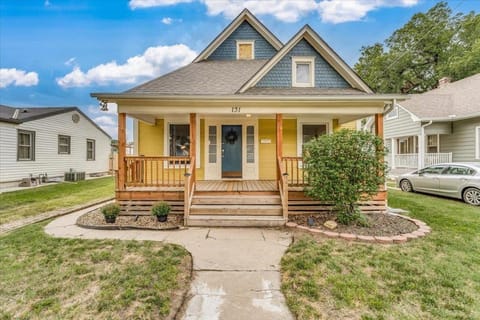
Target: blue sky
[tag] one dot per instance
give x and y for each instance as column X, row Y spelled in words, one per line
column 55, row 53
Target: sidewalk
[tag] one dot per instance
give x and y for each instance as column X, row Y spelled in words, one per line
column 10, row 226
column 236, row 270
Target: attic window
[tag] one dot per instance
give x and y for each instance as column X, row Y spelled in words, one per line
column 245, row 50
column 303, row 74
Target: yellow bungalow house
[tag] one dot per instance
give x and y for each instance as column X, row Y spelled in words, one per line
column 221, row 138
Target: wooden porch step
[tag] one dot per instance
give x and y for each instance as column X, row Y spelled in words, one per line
column 234, row 221
column 230, row 200
column 236, row 209
column 143, row 207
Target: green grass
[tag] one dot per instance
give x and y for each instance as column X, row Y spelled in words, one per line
column 30, row 202
column 437, row 277
column 47, row 278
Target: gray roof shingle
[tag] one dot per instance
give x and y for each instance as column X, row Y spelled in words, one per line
column 460, row 99
column 202, row 78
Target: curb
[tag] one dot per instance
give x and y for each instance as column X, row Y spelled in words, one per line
column 422, row 231
column 127, row 227
column 14, row 225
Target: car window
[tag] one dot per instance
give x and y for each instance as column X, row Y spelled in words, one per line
column 460, row 171
column 432, row 170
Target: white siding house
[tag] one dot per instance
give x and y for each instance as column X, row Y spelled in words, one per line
column 442, row 125
column 50, row 141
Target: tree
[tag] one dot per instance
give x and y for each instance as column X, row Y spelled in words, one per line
column 345, row 168
column 428, row 47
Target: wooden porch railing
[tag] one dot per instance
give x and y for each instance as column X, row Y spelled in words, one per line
column 189, row 188
column 293, row 167
column 283, row 187
column 158, row 171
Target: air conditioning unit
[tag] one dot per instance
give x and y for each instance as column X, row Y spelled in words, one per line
column 74, row 176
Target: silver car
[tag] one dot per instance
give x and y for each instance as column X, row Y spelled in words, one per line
column 455, row 180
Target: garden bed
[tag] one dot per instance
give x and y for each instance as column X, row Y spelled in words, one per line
column 95, row 220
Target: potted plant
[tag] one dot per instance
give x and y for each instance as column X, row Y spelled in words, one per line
column 161, row 210
column 110, row 212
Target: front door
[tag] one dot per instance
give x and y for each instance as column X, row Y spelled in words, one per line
column 231, row 151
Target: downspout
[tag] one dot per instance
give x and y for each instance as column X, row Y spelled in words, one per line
column 392, row 147
column 421, row 145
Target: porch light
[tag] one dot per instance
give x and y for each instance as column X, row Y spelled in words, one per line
column 248, row 115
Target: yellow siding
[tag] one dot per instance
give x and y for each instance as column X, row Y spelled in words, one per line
column 352, row 125
column 267, row 151
column 150, row 138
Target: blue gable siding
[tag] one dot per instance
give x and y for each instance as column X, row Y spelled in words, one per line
column 228, row 49
column 280, row 76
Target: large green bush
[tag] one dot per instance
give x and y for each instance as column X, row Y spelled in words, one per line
column 343, row 168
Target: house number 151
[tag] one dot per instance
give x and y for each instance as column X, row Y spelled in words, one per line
column 236, row 109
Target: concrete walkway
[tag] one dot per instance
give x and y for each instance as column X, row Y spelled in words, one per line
column 236, row 271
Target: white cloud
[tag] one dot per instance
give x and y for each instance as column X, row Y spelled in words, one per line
column 70, row 61
column 167, row 20
column 17, row 78
column 284, row 10
column 153, row 62
column 105, row 120
column 47, row 3
column 134, row 4
column 338, row 11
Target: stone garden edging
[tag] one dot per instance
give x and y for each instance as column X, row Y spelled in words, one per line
column 422, row 231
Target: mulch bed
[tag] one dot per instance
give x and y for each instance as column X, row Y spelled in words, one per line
column 380, row 224
column 95, row 220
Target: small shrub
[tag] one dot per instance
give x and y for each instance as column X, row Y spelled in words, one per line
column 161, row 209
column 344, row 168
column 111, row 210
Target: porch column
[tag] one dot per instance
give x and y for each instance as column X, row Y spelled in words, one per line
column 279, row 142
column 421, row 150
column 379, row 125
column 393, row 152
column 122, row 137
column 193, row 141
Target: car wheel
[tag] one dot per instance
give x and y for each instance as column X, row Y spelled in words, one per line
column 472, row 196
column 406, row 186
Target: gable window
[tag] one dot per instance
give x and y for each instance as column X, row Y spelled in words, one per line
column 303, row 74
column 179, row 140
column 393, row 114
column 63, row 144
column 90, row 149
column 245, row 50
column 25, row 145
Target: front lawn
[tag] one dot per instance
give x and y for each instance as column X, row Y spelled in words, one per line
column 47, row 278
column 30, row 202
column 436, row 277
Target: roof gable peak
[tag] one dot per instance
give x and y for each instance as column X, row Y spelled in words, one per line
column 322, row 48
column 245, row 15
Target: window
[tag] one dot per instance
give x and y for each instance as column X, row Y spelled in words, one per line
column 393, row 114
column 459, row 171
column 25, row 145
column 212, row 144
column 90, row 149
column 245, row 50
column 250, row 144
column 63, row 144
column 432, row 143
column 407, row 145
column 432, row 170
column 179, row 140
column 303, row 74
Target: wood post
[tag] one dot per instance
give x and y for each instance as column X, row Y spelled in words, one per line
column 122, row 137
column 379, row 125
column 279, row 142
column 193, row 141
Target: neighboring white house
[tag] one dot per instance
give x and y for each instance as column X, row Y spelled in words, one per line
column 52, row 141
column 441, row 125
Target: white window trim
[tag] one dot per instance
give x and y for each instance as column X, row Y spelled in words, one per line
column 167, row 121
column 389, row 116
column 303, row 60
column 300, row 124
column 477, row 142
column 239, row 42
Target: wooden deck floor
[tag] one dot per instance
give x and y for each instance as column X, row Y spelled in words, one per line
column 236, row 185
